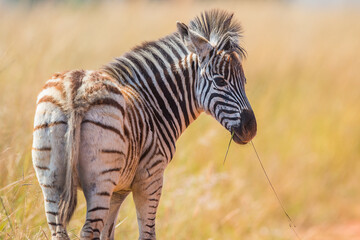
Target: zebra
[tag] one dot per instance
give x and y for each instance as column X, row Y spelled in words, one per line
column 113, row 131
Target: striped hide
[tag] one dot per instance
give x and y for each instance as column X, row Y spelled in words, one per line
column 113, row 131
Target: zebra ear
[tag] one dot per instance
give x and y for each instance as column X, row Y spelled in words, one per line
column 183, row 30
column 193, row 41
column 228, row 43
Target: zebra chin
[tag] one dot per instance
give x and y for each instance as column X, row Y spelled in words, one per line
column 240, row 140
column 246, row 130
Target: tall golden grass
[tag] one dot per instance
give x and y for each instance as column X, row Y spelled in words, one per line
column 303, row 83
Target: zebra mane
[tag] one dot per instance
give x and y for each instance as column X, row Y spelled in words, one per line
column 218, row 27
column 215, row 25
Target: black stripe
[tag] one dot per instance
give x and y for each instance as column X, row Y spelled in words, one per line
column 111, row 181
column 50, row 99
column 120, row 71
column 180, row 45
column 103, row 194
column 110, row 128
column 145, row 153
column 98, row 209
column 153, row 200
column 52, row 213
column 226, row 112
column 150, row 225
column 155, row 181
column 95, row 220
column 151, row 234
column 46, row 125
column 110, row 230
column 156, row 190
column 109, row 102
column 183, row 101
column 42, row 167
column 42, row 149
column 206, row 86
column 112, row 151
column 229, row 119
column 172, row 48
column 54, row 224
column 155, row 164
column 192, row 98
column 224, row 104
column 111, row 170
column 186, row 73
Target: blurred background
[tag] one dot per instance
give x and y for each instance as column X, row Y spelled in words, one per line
column 303, row 83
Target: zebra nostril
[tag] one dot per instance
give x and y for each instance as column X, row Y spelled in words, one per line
column 248, row 123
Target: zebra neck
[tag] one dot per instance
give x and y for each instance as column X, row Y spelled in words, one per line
column 176, row 98
column 187, row 71
column 174, row 104
column 163, row 76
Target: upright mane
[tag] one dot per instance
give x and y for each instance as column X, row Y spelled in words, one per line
column 218, row 27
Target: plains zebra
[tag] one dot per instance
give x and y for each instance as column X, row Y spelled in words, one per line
column 113, row 131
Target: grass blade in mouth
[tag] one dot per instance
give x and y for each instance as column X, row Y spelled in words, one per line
column 227, row 151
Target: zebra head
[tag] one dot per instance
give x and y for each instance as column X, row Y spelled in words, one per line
column 220, row 85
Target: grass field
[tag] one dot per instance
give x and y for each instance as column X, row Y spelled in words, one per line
column 303, row 83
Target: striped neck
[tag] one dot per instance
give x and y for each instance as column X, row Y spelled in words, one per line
column 163, row 75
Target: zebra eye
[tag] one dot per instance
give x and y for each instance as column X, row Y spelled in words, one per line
column 219, row 81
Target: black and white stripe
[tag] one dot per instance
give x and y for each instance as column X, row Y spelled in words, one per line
column 116, row 128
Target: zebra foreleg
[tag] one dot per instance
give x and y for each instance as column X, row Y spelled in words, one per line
column 115, row 203
column 146, row 195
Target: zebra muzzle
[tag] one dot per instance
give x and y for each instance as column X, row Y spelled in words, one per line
column 246, row 130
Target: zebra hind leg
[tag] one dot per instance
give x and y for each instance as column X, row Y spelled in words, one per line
column 98, row 185
column 51, row 196
column 48, row 160
column 117, row 199
column 99, row 210
column 102, row 160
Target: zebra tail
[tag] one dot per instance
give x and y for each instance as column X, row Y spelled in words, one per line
column 68, row 198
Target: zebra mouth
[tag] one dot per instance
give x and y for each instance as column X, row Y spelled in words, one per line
column 238, row 139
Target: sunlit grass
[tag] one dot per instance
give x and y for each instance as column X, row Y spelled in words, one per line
column 303, row 83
